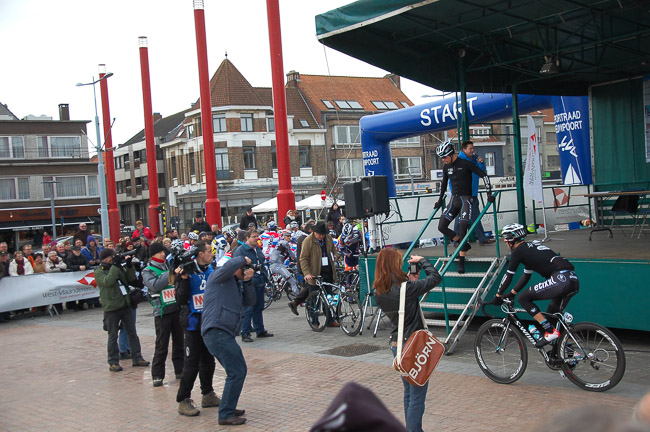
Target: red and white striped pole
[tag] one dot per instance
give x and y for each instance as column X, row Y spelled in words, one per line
column 286, row 196
column 152, row 172
column 212, row 204
column 109, row 166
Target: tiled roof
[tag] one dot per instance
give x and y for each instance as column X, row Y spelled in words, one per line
column 296, row 106
column 360, row 89
column 229, row 87
column 162, row 128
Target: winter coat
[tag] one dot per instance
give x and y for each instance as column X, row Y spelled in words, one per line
column 74, row 262
column 110, row 294
column 51, row 267
column 156, row 284
column 311, row 256
column 13, row 267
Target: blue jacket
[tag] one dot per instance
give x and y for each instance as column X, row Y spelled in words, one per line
column 257, row 257
column 481, row 165
column 89, row 254
column 225, row 298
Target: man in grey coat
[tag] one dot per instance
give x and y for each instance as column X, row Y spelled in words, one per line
column 166, row 315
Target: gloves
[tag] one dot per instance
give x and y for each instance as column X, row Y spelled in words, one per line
column 497, row 301
column 490, row 198
column 438, row 204
column 117, row 260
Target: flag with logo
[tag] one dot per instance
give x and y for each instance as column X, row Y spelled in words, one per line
column 533, row 175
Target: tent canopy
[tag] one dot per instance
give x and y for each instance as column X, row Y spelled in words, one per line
column 496, row 43
column 267, row 206
column 315, row 202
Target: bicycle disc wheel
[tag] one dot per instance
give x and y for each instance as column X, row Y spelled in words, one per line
column 315, row 311
column 594, row 360
column 349, row 313
column 502, row 359
column 269, row 294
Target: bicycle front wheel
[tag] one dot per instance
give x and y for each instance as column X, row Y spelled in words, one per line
column 501, row 355
column 349, row 313
column 592, row 357
column 316, row 311
column 269, row 294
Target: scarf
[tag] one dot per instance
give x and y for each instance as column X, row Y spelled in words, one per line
column 20, row 266
column 158, row 260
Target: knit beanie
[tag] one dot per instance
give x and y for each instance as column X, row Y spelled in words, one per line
column 155, row 248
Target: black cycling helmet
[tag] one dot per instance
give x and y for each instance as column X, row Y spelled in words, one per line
column 514, row 232
column 445, row 149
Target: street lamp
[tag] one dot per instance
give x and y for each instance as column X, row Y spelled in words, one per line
column 101, row 184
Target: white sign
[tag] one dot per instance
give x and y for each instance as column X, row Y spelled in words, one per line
column 42, row 289
column 533, row 175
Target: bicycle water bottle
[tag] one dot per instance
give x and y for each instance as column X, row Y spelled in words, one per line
column 534, row 332
column 567, row 317
column 335, row 299
column 329, row 298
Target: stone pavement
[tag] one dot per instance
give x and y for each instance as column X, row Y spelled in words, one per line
column 55, row 377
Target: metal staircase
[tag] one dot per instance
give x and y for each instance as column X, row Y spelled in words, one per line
column 458, row 295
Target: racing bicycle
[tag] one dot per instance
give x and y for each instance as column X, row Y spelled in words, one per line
column 276, row 285
column 333, row 303
column 586, row 353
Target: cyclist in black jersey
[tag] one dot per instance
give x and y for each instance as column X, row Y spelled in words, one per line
column 458, row 172
column 561, row 281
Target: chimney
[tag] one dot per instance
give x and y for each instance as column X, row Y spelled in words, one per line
column 395, row 79
column 156, row 117
column 292, row 78
column 64, row 112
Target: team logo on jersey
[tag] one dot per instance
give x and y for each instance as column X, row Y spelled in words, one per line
column 450, row 171
column 561, row 278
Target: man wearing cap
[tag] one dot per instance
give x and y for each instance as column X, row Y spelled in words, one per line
column 318, row 256
column 113, row 277
column 199, row 224
column 247, row 219
column 156, row 277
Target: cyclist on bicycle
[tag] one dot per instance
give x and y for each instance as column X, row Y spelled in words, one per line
column 561, row 281
column 458, row 172
column 279, row 255
column 349, row 246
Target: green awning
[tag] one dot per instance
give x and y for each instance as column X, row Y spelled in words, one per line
column 499, row 42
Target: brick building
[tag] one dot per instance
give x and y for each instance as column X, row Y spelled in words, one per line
column 37, row 150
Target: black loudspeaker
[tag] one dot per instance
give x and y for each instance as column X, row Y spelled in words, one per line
column 374, row 195
column 353, row 203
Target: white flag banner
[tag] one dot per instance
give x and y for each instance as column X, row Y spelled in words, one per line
column 533, row 175
column 41, row 289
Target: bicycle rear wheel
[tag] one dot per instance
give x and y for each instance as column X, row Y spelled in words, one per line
column 349, row 313
column 593, row 359
column 316, row 311
column 502, row 357
column 269, row 294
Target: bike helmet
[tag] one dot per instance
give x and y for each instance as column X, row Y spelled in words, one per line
column 177, row 244
column 347, row 230
column 445, row 149
column 286, row 232
column 294, row 225
column 202, row 235
column 192, row 235
column 513, row 232
column 230, row 233
column 271, row 225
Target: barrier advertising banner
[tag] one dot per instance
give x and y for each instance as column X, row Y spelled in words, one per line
column 21, row 292
column 572, row 131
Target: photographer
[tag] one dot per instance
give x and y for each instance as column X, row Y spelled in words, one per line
column 190, row 288
column 113, row 277
column 225, row 299
column 156, row 278
column 254, row 253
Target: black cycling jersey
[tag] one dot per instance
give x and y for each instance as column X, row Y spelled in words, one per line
column 536, row 258
column 459, row 174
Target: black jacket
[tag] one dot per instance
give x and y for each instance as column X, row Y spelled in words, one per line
column 73, row 262
column 201, row 226
column 389, row 302
column 245, row 220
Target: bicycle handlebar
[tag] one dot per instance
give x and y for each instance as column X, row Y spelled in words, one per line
column 481, row 303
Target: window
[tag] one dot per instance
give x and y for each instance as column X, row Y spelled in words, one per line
column 23, row 188
column 379, row 105
column 304, row 123
column 405, row 104
column 192, row 164
column 347, row 104
column 247, row 122
column 553, row 160
column 342, row 104
column 145, row 183
column 327, row 103
column 383, row 105
column 43, row 150
column 219, row 123
column 305, row 156
column 406, row 142
column 70, row 186
column 274, row 157
column 7, row 189
column 489, row 163
column 173, row 166
column 354, row 104
column 65, row 147
column 249, row 158
column 143, row 156
column 270, row 124
column 190, row 131
column 405, row 167
column 12, row 147
column 346, row 135
column 349, row 168
column 92, row 186
column 391, row 105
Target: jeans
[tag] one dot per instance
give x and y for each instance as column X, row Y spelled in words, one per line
column 480, row 232
column 255, row 313
column 224, row 347
column 125, row 315
column 198, row 361
column 414, row 400
column 123, row 340
column 167, row 325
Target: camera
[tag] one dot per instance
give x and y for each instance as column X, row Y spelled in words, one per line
column 414, row 268
column 118, row 258
column 255, row 267
column 182, row 258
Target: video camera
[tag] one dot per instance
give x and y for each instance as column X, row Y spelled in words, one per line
column 118, row 258
column 182, row 258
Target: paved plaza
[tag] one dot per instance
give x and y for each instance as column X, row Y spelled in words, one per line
column 55, row 378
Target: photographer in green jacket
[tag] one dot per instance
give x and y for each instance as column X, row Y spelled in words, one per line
column 113, row 277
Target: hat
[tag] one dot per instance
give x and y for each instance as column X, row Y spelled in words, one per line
column 248, row 209
column 320, row 228
column 76, row 248
column 105, row 253
column 127, row 244
column 355, row 408
column 91, row 238
column 199, row 214
column 156, row 248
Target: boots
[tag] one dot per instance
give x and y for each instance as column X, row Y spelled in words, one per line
column 187, row 408
column 210, row 400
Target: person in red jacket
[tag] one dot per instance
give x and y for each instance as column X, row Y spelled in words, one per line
column 142, row 231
